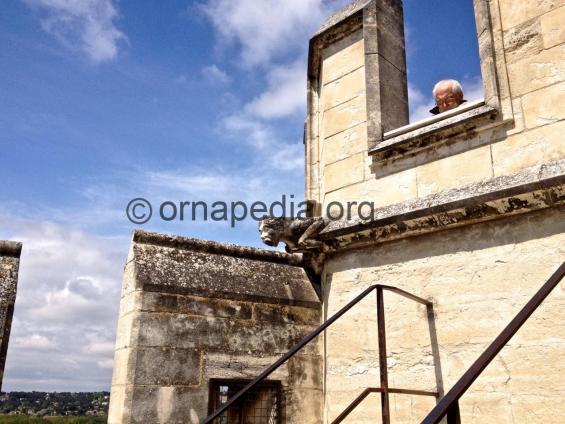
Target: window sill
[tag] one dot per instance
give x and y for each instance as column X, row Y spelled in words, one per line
column 434, row 131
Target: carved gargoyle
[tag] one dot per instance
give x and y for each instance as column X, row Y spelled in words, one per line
column 298, row 234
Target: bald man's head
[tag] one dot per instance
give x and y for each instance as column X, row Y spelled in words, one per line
column 448, row 94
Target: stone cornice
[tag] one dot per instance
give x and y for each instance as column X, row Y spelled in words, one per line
column 532, row 189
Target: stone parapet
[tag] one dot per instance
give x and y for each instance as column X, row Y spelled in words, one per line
column 10, row 252
column 195, row 311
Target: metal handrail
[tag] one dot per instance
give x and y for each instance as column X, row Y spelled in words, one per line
column 449, row 404
column 308, row 338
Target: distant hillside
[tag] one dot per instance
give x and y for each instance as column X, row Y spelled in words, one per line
column 42, row 404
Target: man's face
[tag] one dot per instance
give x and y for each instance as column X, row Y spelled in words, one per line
column 446, row 99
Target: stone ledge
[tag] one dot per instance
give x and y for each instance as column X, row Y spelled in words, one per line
column 10, row 248
column 214, row 247
column 534, row 188
column 426, row 135
column 186, row 266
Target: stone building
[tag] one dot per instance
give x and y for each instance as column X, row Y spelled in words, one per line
column 10, row 252
column 470, row 218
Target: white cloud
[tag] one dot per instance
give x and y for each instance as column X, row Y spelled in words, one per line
column 215, row 75
column 285, row 95
column 66, row 307
column 33, row 342
column 267, row 29
column 88, row 23
column 249, row 130
column 272, row 152
column 289, row 157
column 107, row 364
column 100, row 347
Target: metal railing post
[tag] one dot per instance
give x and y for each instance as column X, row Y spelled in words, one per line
column 453, row 415
column 385, row 404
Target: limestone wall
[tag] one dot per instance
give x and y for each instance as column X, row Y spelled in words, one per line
column 343, row 123
column 192, row 311
column 478, row 278
column 9, row 266
column 478, row 275
column 534, row 48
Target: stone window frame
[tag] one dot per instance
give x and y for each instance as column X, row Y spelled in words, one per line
column 493, row 110
column 419, row 137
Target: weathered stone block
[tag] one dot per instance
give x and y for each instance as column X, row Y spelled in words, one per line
column 552, row 28
column 344, row 116
column 119, row 404
column 535, row 72
column 167, row 367
column 388, row 190
column 343, row 89
column 410, row 408
column 523, row 40
column 533, row 408
column 455, row 171
column 233, row 366
column 393, row 96
column 167, row 404
column 513, row 13
column 342, row 58
column 344, row 172
column 306, row 371
column 199, row 268
column 185, row 331
column 544, row 106
column 124, row 366
column 279, row 314
column 352, row 193
column 127, row 331
column 485, row 408
column 200, row 306
column 530, row 148
column 304, row 405
column 345, row 144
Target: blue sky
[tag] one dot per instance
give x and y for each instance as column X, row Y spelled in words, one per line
column 102, row 101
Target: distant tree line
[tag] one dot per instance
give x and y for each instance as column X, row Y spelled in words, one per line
column 55, row 404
